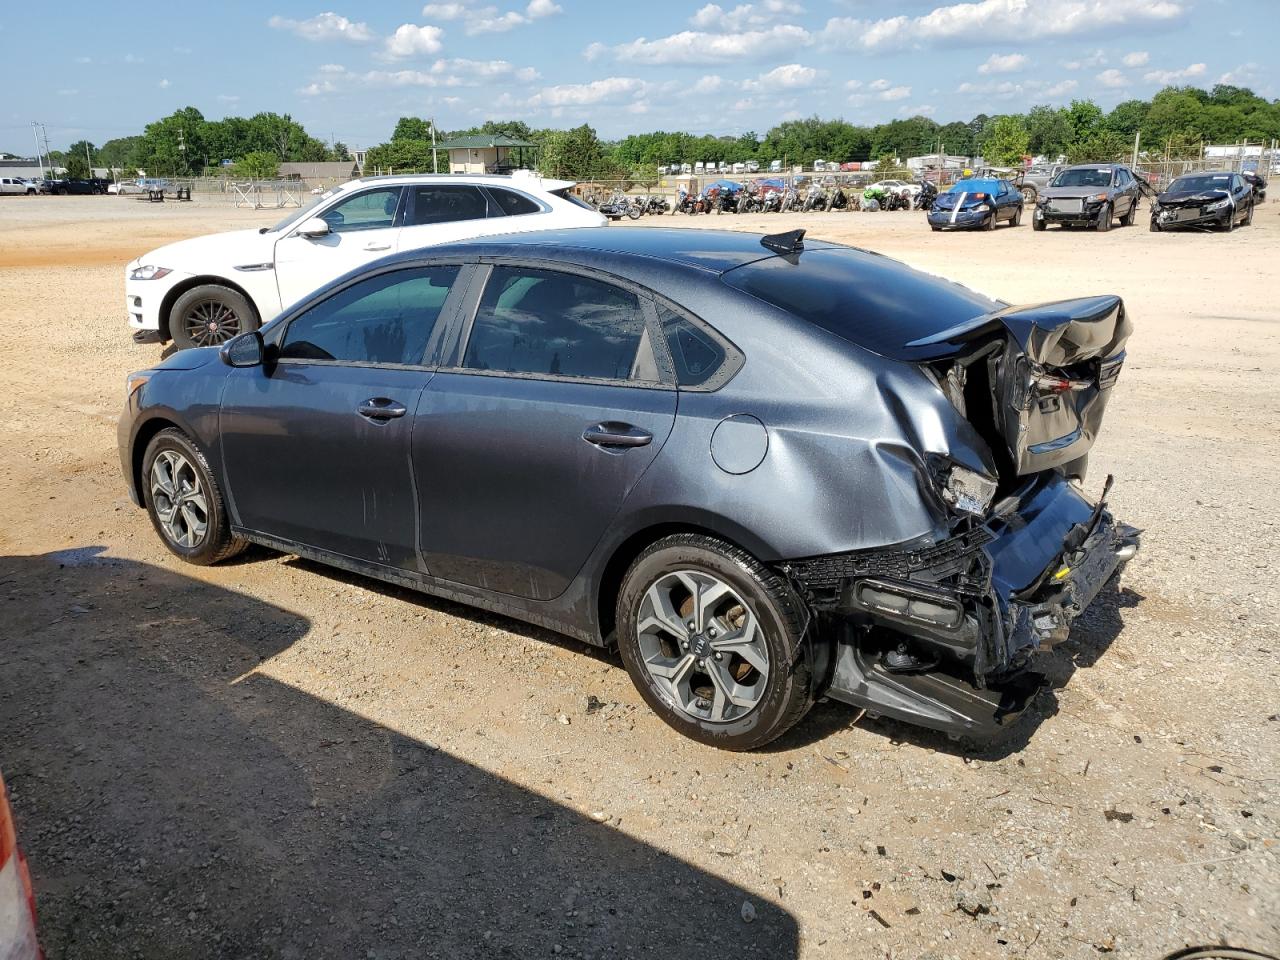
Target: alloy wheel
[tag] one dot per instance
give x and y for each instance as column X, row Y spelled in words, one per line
column 178, row 499
column 210, row 322
column 702, row 646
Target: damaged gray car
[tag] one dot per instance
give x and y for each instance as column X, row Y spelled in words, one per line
column 767, row 470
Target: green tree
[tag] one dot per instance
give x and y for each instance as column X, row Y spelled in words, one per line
column 577, row 153
column 1104, row 146
column 1086, row 118
column 258, row 165
column 77, row 166
column 411, row 128
column 1127, row 117
column 1005, row 141
column 1049, row 131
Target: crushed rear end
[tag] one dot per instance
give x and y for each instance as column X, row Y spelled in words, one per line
column 1026, row 549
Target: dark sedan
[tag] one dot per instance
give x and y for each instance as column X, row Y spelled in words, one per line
column 735, row 458
column 977, row 204
column 1218, row 199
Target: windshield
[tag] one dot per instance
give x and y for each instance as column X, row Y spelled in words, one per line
column 301, row 214
column 1084, row 178
column 1220, row 181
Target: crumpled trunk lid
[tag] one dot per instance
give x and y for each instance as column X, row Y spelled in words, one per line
column 1047, row 370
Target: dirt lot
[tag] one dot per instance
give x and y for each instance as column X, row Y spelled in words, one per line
column 271, row 759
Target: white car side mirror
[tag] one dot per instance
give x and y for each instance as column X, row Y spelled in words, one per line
column 312, row 228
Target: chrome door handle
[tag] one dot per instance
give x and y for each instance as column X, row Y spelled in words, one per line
column 377, row 246
column 611, row 434
column 380, row 409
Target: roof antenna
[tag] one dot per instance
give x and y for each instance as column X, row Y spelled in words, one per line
column 790, row 242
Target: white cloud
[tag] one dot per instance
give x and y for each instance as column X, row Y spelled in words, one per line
column 894, row 93
column 444, row 11
column 163, row 84
column 1095, row 59
column 695, row 47
column 792, row 76
column 68, row 92
column 1112, row 78
column 708, row 84
column 607, row 90
column 744, row 16
column 853, row 84
column 880, row 85
column 324, row 26
column 1007, row 63
column 1170, row 76
column 1017, row 89
column 984, row 21
column 488, row 20
column 920, row 110
column 228, row 98
column 1138, row 58
column 1245, row 73
column 84, row 59
column 412, row 41
column 442, row 73
column 133, row 58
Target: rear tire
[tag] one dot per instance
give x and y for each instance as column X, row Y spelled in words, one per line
column 738, row 677
column 209, row 316
column 185, row 502
column 1017, row 218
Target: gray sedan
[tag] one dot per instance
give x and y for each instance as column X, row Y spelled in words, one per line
column 765, row 470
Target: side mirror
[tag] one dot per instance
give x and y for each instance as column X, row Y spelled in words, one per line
column 312, row 228
column 245, row 350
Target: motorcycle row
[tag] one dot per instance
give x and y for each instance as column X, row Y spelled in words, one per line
column 754, row 198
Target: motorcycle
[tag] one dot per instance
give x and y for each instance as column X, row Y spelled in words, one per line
column 873, row 198
column 772, row 202
column 749, row 201
column 900, row 200
column 656, row 206
column 839, row 201
column 727, row 202
column 927, row 196
column 619, row 206
column 815, row 198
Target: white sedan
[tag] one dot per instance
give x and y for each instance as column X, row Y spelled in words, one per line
column 897, row 186
column 203, row 291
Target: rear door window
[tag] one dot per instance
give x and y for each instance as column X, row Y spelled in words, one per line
column 513, row 204
column 547, row 323
column 700, row 358
column 438, row 203
column 386, row 319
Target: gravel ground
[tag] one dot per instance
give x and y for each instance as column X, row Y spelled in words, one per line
column 273, row 759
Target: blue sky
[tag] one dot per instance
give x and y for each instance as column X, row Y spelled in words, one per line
column 350, row 69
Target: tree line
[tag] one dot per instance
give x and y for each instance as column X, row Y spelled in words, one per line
column 1174, row 123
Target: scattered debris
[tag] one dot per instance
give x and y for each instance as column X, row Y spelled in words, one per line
column 1120, row 815
column 879, row 919
column 594, row 704
column 748, row 911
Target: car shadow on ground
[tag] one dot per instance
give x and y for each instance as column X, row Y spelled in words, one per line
column 173, row 803
column 1091, row 635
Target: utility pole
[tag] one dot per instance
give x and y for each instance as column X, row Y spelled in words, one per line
column 435, row 164
column 39, row 156
column 182, row 145
column 87, row 159
column 45, row 134
column 1137, row 136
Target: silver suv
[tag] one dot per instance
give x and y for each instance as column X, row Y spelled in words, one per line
column 1089, row 195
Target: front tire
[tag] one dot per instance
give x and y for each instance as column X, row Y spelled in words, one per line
column 1037, row 223
column 712, row 640
column 1104, row 218
column 209, row 316
column 185, row 502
